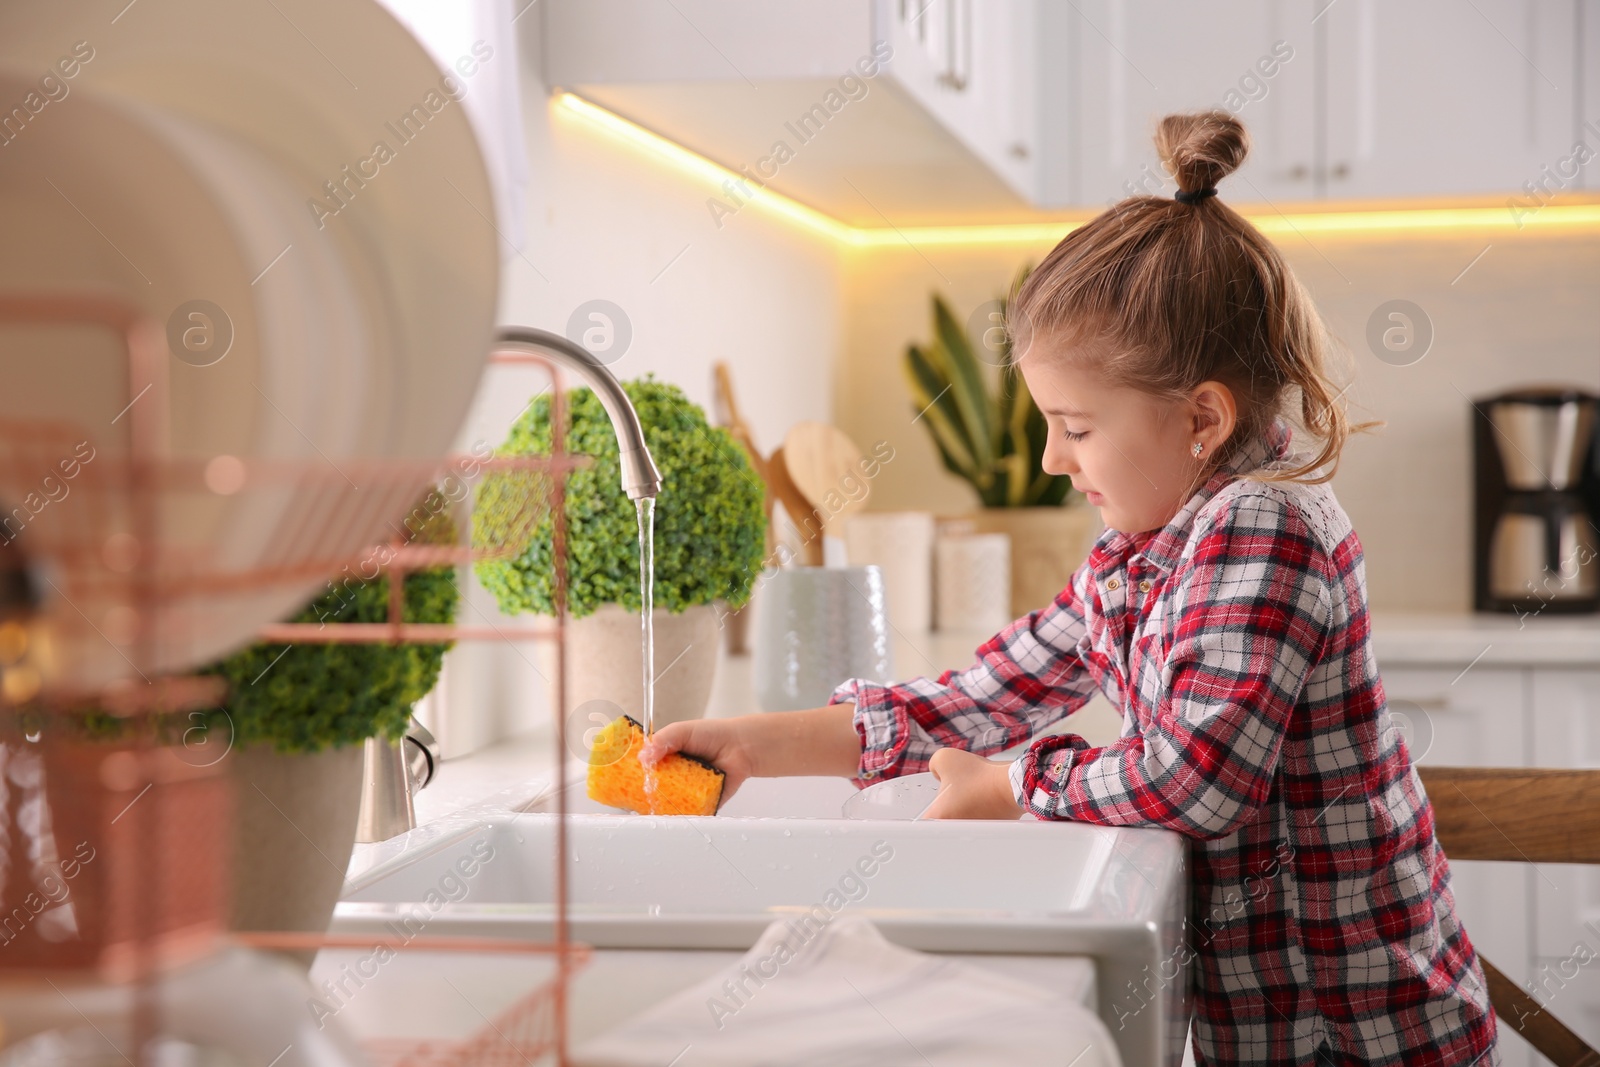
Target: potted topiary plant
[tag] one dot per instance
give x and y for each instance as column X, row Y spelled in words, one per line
column 297, row 718
column 710, row 535
column 990, row 432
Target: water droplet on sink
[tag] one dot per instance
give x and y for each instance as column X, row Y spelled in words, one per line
column 788, row 833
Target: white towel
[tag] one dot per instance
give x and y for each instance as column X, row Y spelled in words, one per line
column 842, row 995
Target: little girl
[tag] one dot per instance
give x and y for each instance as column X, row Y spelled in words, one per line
column 1224, row 610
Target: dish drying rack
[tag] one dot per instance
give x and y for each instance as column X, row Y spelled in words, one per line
column 159, row 825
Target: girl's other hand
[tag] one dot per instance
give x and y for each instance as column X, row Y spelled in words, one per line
column 971, row 787
column 720, row 742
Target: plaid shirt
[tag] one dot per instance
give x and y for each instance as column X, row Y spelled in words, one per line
column 1236, row 641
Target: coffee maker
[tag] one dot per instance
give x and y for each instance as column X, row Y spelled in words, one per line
column 1536, row 531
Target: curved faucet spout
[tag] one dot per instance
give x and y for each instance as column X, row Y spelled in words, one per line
column 639, row 475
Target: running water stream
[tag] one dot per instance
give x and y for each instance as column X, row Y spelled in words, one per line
column 646, row 507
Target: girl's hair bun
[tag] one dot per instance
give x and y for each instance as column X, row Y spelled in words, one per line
column 1201, row 148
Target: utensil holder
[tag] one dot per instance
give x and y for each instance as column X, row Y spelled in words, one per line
column 816, row 627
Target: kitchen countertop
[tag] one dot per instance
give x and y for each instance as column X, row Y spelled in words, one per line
column 1406, row 638
column 1398, row 637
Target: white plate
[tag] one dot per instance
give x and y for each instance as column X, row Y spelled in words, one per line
column 368, row 345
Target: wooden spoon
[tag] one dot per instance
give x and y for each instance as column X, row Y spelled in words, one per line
column 801, row 513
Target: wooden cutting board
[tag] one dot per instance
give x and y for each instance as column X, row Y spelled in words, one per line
column 825, row 466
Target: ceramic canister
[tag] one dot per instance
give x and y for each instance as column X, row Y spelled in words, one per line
column 973, row 582
column 901, row 544
column 816, row 627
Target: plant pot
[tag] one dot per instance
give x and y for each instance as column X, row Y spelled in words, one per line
column 295, row 828
column 1047, row 546
column 605, row 661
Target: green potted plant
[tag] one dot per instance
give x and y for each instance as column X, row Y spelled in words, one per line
column 710, row 537
column 990, row 433
column 296, row 720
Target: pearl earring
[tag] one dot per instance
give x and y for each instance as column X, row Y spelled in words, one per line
column 1197, row 449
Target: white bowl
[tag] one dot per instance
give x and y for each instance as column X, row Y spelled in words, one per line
column 894, row 798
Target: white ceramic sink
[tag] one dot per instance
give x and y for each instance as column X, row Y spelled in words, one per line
column 643, row 882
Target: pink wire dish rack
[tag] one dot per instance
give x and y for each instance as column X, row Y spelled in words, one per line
column 159, row 826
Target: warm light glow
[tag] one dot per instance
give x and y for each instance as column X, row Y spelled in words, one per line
column 1417, row 220
column 703, row 169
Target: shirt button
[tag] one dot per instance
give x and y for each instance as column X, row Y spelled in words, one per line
column 1144, row 586
column 1112, row 583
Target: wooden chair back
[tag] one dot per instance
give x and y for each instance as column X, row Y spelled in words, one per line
column 1528, row 815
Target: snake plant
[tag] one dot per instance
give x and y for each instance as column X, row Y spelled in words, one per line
column 994, row 438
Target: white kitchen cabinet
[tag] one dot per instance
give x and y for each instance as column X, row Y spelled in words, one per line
column 973, row 65
column 1345, row 100
column 1117, row 66
column 701, row 40
column 943, row 127
column 1586, row 38
column 984, row 110
column 1474, row 722
column 1566, row 971
column 1437, row 97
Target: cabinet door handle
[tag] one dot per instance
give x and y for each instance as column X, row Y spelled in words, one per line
column 908, row 18
column 1299, row 172
column 1340, row 170
column 957, row 67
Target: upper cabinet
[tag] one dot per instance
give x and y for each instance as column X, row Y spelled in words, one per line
column 1443, row 98
column 1121, row 65
column 923, row 111
column 1344, row 99
column 873, row 111
column 973, row 64
column 1586, row 123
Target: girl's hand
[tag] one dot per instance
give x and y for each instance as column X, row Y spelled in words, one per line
column 720, row 742
column 971, row 787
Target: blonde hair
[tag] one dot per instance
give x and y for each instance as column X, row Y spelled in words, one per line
column 1163, row 294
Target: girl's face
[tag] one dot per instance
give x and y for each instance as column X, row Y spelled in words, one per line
column 1130, row 453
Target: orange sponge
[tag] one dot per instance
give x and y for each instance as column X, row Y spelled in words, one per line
column 683, row 785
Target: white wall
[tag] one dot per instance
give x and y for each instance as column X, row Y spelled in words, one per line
column 1525, row 312
column 605, row 221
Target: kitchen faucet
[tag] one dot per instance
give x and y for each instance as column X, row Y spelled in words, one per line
column 639, row 475
column 393, row 771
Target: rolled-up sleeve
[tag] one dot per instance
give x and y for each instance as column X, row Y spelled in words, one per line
column 1025, row 677
column 1250, row 617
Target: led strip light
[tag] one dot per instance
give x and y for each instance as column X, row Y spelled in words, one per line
column 1276, row 224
